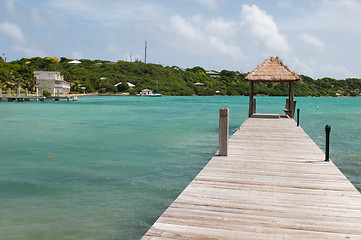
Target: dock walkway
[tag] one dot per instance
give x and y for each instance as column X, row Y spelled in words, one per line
column 274, row 184
column 22, row 98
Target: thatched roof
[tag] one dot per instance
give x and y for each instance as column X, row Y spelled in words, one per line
column 272, row 70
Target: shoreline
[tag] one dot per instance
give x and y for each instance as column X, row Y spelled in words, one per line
column 127, row 95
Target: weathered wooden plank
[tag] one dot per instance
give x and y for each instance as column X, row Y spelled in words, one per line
column 239, row 205
column 273, row 184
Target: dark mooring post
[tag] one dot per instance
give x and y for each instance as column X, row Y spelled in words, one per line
column 223, row 131
column 327, row 150
column 254, row 105
column 291, row 98
column 298, row 117
column 250, row 109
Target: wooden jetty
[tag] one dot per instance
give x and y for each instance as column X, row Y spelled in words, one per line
column 273, row 184
column 27, row 97
column 22, row 98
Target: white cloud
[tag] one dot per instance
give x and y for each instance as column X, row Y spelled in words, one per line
column 318, row 68
column 313, row 41
column 204, row 36
column 108, row 13
column 221, row 27
column 210, row 4
column 284, row 4
column 35, row 16
column 306, row 67
column 262, row 29
column 77, row 55
column 335, row 71
column 12, row 30
column 27, row 51
column 326, row 16
column 10, row 5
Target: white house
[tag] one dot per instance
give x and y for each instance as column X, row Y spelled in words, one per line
column 75, row 62
column 52, row 82
column 213, row 74
column 145, row 92
column 201, row 85
column 130, row 85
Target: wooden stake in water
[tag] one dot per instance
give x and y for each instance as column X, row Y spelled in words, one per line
column 254, row 105
column 223, row 131
column 327, row 150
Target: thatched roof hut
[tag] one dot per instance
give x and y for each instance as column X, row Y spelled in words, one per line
column 273, row 70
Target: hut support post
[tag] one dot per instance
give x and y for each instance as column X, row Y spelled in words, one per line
column 254, row 105
column 291, row 98
column 250, row 110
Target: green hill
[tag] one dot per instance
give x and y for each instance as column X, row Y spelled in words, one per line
column 101, row 76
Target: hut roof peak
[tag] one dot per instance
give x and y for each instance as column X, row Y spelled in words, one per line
column 272, row 70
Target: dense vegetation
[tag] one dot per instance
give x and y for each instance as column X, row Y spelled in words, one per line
column 101, row 76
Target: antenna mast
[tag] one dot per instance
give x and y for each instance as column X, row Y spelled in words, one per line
column 145, row 52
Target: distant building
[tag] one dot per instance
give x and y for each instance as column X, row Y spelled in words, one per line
column 75, row 62
column 145, row 92
column 130, row 85
column 201, row 85
column 213, row 74
column 52, row 82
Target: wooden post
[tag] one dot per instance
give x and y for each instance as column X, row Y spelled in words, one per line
column 290, row 97
column 9, row 92
column 254, row 105
column 327, row 150
column 223, row 131
column 26, row 92
column 298, row 117
column 250, row 109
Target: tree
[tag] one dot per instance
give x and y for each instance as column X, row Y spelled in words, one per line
column 197, row 69
column 123, row 87
column 228, row 74
column 52, row 60
column 46, row 93
column 112, row 89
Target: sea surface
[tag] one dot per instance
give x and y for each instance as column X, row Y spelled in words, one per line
column 107, row 167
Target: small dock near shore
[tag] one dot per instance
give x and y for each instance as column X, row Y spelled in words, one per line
column 273, row 184
column 25, row 98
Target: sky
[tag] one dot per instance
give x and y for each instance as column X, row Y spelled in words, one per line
column 317, row 38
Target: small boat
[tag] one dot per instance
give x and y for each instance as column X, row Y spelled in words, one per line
column 153, row 95
column 150, row 93
column 156, row 94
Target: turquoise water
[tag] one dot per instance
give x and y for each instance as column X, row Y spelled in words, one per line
column 107, row 167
